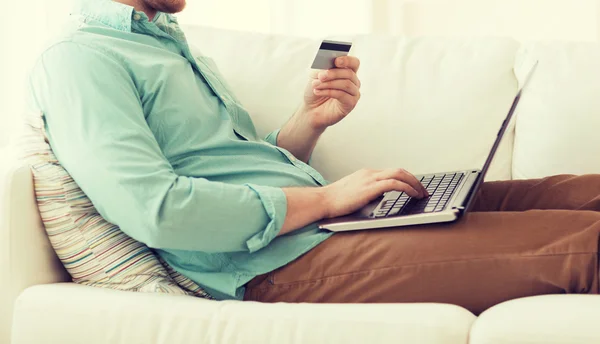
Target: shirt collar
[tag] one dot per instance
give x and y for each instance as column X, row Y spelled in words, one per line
column 113, row 14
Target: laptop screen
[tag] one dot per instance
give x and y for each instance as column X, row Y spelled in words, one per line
column 501, row 133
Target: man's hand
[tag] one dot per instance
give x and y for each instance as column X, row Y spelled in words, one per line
column 357, row 190
column 331, row 95
column 309, row 205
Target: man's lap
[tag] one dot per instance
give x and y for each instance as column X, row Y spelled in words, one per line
column 483, row 259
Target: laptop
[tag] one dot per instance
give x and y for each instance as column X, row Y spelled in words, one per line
column 451, row 195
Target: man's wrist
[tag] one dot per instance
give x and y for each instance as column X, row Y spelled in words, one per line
column 298, row 136
column 305, row 115
column 300, row 127
column 305, row 206
column 323, row 200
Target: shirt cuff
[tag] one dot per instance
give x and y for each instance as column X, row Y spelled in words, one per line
column 275, row 203
column 272, row 137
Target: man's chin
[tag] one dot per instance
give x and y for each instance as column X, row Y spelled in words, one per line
column 179, row 8
column 167, row 6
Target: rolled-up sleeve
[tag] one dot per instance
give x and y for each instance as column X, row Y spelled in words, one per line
column 274, row 201
column 272, row 137
column 98, row 131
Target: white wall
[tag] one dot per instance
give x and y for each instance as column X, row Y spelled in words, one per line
column 310, row 18
column 253, row 15
column 324, row 17
column 24, row 30
column 5, row 81
column 522, row 19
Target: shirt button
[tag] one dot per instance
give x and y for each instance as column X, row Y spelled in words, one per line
column 137, row 17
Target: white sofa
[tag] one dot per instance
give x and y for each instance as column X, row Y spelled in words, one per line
column 428, row 105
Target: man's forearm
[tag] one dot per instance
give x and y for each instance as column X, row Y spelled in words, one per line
column 304, row 206
column 347, row 195
column 298, row 137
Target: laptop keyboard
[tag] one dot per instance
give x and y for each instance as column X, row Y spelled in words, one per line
column 441, row 187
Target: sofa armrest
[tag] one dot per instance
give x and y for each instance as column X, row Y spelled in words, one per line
column 26, row 256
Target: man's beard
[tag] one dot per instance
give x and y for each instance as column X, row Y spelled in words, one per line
column 166, row 6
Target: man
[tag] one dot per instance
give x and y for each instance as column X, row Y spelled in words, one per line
column 153, row 135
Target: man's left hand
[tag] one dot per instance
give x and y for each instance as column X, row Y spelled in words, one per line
column 332, row 94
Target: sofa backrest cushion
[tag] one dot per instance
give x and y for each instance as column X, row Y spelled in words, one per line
column 558, row 121
column 428, row 104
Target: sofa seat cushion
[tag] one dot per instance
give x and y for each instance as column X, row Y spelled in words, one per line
column 551, row 319
column 66, row 313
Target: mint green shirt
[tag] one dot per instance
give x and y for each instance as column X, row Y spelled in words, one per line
column 153, row 135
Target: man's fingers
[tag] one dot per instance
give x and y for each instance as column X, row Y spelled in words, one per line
column 314, row 74
column 406, row 177
column 343, row 97
column 334, row 74
column 342, row 85
column 350, row 62
column 388, row 185
column 413, row 181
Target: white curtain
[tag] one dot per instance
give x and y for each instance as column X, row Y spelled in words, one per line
column 27, row 24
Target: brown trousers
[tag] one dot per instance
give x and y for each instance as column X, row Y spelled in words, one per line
column 524, row 238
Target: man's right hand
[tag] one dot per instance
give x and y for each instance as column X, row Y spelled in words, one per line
column 355, row 191
column 309, row 205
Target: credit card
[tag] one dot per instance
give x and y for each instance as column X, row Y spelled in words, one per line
column 328, row 52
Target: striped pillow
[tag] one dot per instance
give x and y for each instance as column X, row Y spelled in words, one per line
column 95, row 252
